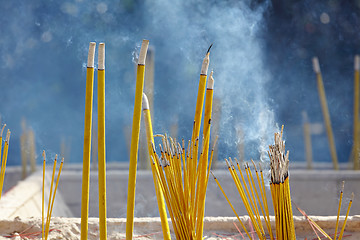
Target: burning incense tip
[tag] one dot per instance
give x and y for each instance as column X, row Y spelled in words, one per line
column 357, row 63
column 145, row 102
column 143, row 51
column 91, row 55
column 342, row 186
column 101, row 56
column 209, row 48
column 43, row 154
column 211, row 81
column 62, row 160
column 205, row 64
column 316, row 65
column 55, row 157
column 8, row 135
column 352, row 196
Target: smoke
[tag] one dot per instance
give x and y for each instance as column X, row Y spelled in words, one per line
column 44, row 48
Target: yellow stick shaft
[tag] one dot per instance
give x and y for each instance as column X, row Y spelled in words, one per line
column 326, row 114
column 53, row 199
column 42, row 202
column 87, row 152
column 134, row 151
column 344, row 224
column 50, row 196
column 308, row 147
column 102, row 154
column 158, row 190
column 338, row 215
column 356, row 120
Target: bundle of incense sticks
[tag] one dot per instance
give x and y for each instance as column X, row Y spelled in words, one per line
column 3, row 157
column 181, row 173
column 46, row 224
column 249, row 193
column 280, row 188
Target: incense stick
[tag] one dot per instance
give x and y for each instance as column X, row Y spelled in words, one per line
column 43, row 198
column 101, row 142
column 135, row 140
column 325, row 111
column 347, row 214
column 339, row 208
column 158, row 190
column 87, row 141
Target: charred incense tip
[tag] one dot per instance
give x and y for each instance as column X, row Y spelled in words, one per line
column 91, row 55
column 44, row 155
column 205, row 64
column 211, row 81
column 143, row 51
column 316, row 65
column 212, row 174
column 145, row 102
column 101, row 56
column 2, row 130
column 56, row 157
column 352, row 196
column 62, row 160
column 260, row 167
column 357, row 63
column 342, row 186
column 208, row 51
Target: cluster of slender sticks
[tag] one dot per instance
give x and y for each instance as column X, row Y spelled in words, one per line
column 45, row 231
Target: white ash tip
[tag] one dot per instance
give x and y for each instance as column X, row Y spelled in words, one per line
column 91, row 54
column 143, row 51
column 145, row 102
column 210, row 84
column 357, row 63
column 205, row 64
column 352, row 196
column 316, row 65
column 62, row 160
column 101, row 56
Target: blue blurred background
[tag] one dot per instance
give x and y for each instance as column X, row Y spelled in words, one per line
column 261, row 59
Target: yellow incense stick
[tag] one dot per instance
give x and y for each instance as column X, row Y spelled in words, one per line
column 227, row 199
column 101, row 142
column 53, row 198
column 1, row 162
column 4, row 160
column 339, row 208
column 43, row 198
column 347, row 214
column 135, row 140
column 87, row 142
column 50, row 197
column 158, row 190
column 307, row 140
column 325, row 111
column 356, row 114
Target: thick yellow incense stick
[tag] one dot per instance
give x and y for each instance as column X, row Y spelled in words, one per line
column 101, row 142
column 158, row 190
column 135, row 140
column 339, row 208
column 326, row 114
column 53, row 198
column 1, row 162
column 43, row 198
column 347, row 214
column 356, row 151
column 87, row 142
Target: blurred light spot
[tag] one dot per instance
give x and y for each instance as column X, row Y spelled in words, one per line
column 69, row 8
column 46, row 36
column 102, row 7
column 324, row 18
column 37, row 24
